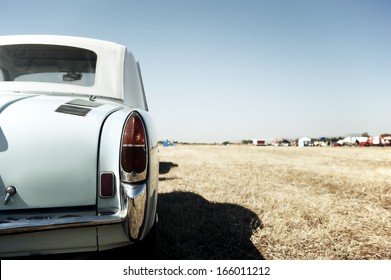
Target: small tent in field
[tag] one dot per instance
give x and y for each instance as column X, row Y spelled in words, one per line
column 304, row 141
column 167, row 143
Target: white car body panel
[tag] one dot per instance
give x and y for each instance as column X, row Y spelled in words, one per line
column 68, row 150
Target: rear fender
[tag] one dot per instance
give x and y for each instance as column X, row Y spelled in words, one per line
column 139, row 200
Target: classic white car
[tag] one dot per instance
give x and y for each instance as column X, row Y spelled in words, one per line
column 78, row 148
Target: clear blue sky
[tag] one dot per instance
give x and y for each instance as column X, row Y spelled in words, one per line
column 233, row 70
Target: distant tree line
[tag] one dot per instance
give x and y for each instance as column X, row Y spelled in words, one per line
column 246, row 142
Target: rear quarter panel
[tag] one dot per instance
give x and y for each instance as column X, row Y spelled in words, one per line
column 109, row 161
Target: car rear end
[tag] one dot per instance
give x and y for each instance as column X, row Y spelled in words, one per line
column 78, row 162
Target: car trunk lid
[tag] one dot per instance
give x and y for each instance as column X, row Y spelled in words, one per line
column 49, row 150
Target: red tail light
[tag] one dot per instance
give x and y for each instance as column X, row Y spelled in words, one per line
column 134, row 153
column 106, row 185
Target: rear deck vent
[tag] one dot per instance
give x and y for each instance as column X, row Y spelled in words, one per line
column 73, row 110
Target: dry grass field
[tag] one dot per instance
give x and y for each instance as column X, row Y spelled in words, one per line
column 247, row 202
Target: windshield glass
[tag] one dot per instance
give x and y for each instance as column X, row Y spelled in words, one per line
column 47, row 63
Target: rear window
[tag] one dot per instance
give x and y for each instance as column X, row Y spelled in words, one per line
column 47, row 63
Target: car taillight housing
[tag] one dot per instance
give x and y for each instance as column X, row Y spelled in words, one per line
column 134, row 150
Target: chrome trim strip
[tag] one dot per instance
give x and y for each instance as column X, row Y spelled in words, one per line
column 134, row 145
column 26, row 226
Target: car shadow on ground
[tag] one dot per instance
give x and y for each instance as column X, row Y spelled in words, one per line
column 191, row 227
column 166, row 166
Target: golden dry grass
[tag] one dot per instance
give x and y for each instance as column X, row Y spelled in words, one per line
column 247, row 202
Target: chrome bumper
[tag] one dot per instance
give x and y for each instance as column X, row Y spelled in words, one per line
column 27, row 225
column 131, row 216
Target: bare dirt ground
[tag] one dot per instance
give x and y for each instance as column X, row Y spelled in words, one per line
column 247, row 202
